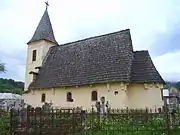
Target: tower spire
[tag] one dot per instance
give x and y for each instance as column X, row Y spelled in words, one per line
column 44, row 30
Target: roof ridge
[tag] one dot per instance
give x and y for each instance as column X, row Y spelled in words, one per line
column 141, row 51
column 102, row 35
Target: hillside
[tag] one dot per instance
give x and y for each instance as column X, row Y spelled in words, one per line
column 11, row 86
column 177, row 85
column 172, row 84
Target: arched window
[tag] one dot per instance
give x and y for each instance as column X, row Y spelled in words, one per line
column 43, row 97
column 94, row 96
column 69, row 97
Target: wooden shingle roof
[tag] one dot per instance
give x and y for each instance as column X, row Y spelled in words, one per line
column 44, row 30
column 143, row 69
column 101, row 59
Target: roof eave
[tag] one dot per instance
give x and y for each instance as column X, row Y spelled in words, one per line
column 56, row 43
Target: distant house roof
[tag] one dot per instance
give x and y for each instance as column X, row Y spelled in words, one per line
column 100, row 59
column 44, row 31
column 10, row 96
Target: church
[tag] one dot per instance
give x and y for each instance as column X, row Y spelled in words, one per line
column 80, row 73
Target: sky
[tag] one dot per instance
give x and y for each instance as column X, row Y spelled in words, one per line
column 154, row 26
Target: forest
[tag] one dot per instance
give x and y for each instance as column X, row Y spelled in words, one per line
column 11, row 86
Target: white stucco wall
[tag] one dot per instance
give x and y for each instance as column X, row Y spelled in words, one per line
column 141, row 96
column 136, row 96
column 41, row 48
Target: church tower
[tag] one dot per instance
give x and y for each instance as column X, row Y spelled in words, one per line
column 38, row 47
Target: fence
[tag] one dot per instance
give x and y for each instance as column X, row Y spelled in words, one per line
column 78, row 122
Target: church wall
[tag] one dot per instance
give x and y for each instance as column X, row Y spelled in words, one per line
column 41, row 48
column 144, row 95
column 136, row 96
column 81, row 96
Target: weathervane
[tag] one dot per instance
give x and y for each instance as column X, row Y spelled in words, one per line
column 46, row 4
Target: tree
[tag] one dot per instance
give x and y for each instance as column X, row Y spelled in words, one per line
column 2, row 67
column 177, row 85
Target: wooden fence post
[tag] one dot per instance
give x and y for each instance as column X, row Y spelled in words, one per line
column 167, row 115
column 11, row 122
column 28, row 120
column 73, row 117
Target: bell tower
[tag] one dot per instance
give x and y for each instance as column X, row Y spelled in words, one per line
column 38, row 47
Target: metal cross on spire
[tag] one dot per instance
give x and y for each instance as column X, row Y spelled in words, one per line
column 46, row 4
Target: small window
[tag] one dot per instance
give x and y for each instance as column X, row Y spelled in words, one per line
column 34, row 55
column 94, row 96
column 69, row 97
column 162, row 96
column 43, row 97
column 116, row 92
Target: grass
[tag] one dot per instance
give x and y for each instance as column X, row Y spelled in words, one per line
column 154, row 125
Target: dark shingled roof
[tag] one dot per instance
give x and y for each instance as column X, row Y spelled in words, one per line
column 44, row 30
column 101, row 59
column 143, row 69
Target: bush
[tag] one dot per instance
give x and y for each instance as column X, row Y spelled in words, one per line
column 4, row 123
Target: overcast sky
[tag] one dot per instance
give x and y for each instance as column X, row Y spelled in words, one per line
column 154, row 26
